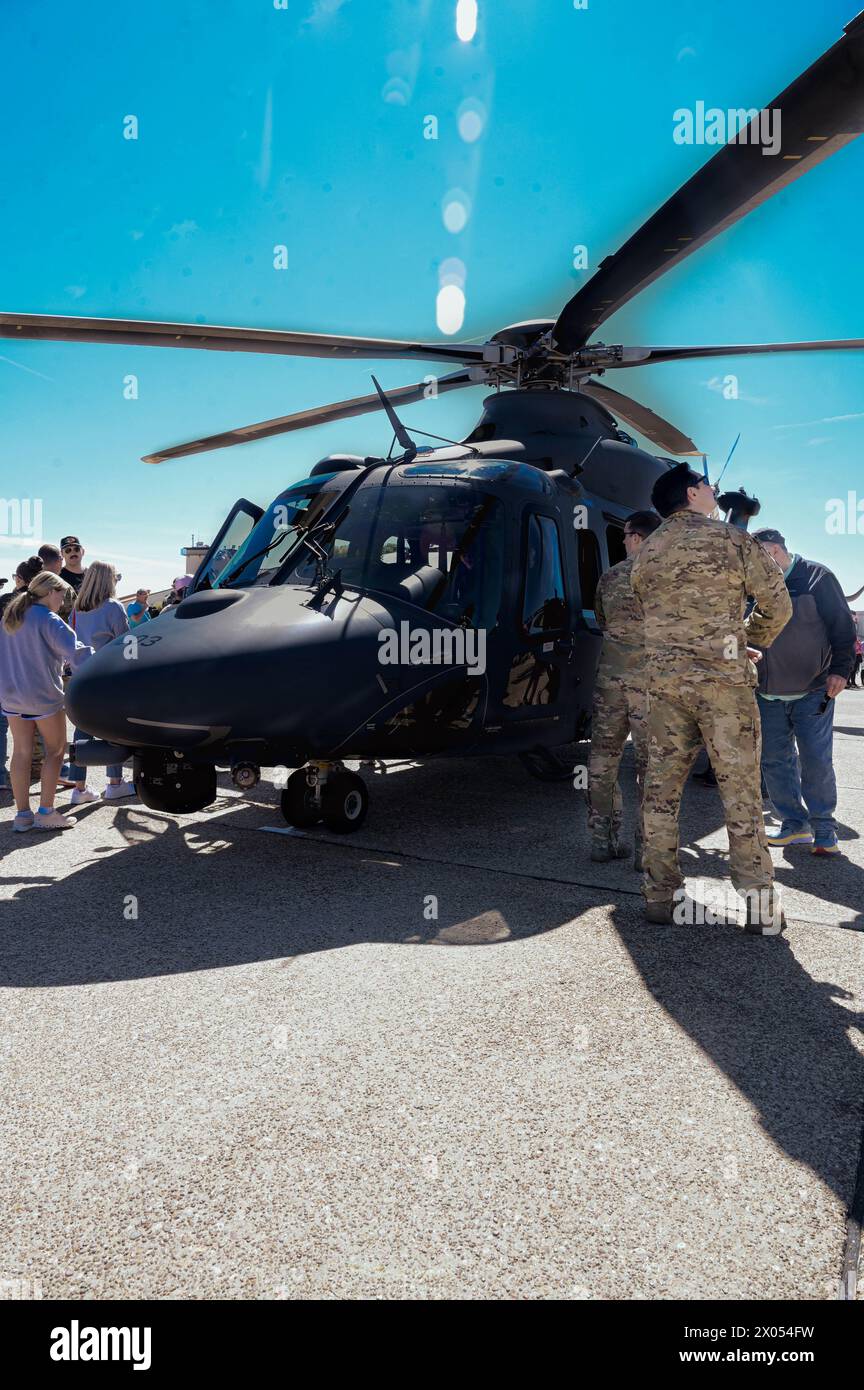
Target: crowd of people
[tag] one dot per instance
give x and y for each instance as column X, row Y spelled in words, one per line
column 59, row 613
column 719, row 639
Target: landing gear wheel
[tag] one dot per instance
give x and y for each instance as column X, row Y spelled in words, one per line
column 298, row 802
column 344, row 802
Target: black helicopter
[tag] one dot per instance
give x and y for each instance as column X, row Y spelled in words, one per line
column 437, row 601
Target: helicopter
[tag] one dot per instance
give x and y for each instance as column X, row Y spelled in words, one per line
column 276, row 657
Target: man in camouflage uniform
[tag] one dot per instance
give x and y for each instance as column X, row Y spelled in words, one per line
column 693, row 578
column 619, row 697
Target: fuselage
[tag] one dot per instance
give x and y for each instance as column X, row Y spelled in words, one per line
column 437, row 606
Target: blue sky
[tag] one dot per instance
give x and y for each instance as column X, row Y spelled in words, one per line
column 303, row 126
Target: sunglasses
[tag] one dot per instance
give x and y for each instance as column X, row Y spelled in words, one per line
column 72, row 550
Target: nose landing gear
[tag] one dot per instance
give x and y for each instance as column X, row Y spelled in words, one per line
column 327, row 792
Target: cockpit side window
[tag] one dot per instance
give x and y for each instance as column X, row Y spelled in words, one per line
column 615, row 548
column 590, row 568
column 544, row 606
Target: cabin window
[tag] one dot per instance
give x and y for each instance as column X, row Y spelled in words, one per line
column 590, row 568
column 615, row 543
column 544, row 608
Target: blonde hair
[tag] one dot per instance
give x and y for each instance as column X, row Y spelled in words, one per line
column 99, row 583
column 40, row 587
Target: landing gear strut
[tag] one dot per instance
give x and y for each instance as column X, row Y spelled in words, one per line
column 326, row 792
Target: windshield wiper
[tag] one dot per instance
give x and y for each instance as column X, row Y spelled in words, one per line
column 259, row 553
column 311, row 537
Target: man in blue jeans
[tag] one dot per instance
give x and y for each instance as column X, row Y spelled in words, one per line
column 800, row 676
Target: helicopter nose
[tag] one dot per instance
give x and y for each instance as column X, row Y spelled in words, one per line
column 240, row 665
column 146, row 692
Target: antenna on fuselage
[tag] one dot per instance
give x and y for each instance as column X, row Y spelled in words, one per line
column 728, row 457
column 399, row 429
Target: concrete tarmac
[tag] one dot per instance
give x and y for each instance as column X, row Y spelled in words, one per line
column 441, row 1058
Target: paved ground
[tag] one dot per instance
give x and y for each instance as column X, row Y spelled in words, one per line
column 287, row 1077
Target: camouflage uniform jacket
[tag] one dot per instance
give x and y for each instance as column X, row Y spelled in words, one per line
column 619, row 616
column 693, row 577
column 68, row 603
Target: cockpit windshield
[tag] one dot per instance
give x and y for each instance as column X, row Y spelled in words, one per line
column 273, row 538
column 440, row 546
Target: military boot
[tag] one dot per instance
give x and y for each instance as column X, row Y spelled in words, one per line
column 678, row 911
column 659, row 912
column 763, row 914
column 605, row 843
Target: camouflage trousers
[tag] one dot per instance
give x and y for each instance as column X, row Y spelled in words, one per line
column 619, row 710
column 681, row 718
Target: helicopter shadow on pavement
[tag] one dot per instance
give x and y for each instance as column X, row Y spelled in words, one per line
column 211, row 893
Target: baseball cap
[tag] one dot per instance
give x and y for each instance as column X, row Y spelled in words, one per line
column 768, row 536
column 69, row 540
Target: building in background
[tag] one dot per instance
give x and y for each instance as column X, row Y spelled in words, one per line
column 194, row 554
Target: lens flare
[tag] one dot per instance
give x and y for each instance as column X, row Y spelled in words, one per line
column 450, row 309
column 456, row 210
column 452, row 272
column 396, row 92
column 466, row 20
column 471, row 120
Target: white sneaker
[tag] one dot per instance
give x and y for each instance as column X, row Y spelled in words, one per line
column 23, row 821
column 52, row 820
column 78, row 797
column 115, row 790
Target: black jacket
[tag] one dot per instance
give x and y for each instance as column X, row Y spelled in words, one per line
column 819, row 639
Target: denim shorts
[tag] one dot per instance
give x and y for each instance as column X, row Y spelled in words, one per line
column 29, row 718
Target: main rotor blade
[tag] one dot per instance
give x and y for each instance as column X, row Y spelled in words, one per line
column 681, row 354
column 820, row 112
column 141, row 333
column 302, row 419
column 646, row 421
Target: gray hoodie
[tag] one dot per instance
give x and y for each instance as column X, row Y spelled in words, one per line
column 101, row 625
column 32, row 660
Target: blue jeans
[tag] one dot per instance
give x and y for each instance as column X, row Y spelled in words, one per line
column 796, row 762
column 4, row 730
column 79, row 774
